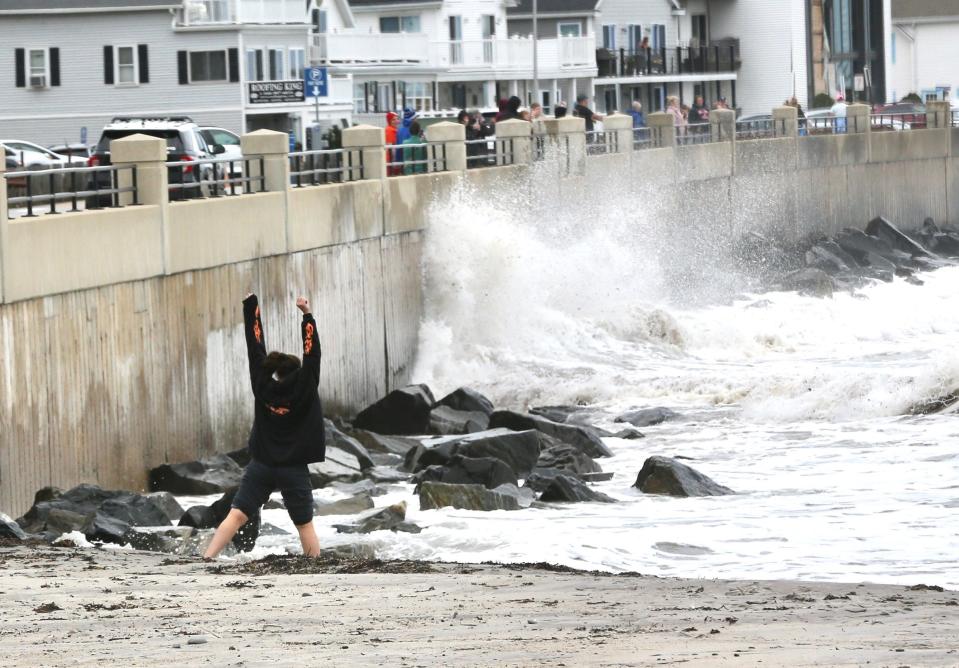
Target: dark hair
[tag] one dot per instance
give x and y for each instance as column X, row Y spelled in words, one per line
column 415, row 129
column 463, row 115
column 560, row 112
column 281, row 364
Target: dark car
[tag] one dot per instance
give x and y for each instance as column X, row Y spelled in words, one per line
column 910, row 114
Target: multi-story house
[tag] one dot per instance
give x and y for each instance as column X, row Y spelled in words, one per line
column 442, row 55
column 67, row 68
column 924, row 49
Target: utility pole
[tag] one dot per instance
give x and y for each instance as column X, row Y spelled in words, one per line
column 535, row 54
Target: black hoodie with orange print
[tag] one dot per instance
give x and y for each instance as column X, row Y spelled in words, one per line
column 288, row 422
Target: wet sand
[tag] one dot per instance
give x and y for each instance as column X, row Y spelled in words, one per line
column 86, row 607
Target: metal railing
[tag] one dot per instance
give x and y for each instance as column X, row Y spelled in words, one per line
column 824, row 125
column 908, row 121
column 643, row 139
column 602, row 142
column 954, row 118
column 761, row 128
column 499, row 152
column 680, row 60
column 694, row 133
column 78, row 188
column 407, row 159
column 539, row 148
column 315, row 168
column 214, row 177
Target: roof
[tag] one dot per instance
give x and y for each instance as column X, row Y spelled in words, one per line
column 80, row 5
column 554, row 7
column 924, row 9
column 390, row 3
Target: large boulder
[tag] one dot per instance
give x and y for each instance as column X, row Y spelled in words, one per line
column 379, row 443
column 464, row 497
column 403, row 411
column 664, row 475
column 446, row 421
column 210, row 517
column 870, row 251
column 486, row 471
column 346, row 443
column 99, row 513
column 10, row 530
column 883, row 229
column 519, row 449
column 349, row 506
column 810, row 281
column 424, row 455
column 566, row 489
column 387, row 475
column 647, row 417
column 567, row 458
column 212, row 475
column 829, row 258
column 468, row 400
column 168, row 504
column 391, row 518
column 583, row 438
column 566, row 414
column 339, row 466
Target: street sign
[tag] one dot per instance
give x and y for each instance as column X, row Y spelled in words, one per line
column 83, row 134
column 316, row 81
column 274, row 92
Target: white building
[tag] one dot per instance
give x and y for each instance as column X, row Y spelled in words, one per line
column 68, row 65
column 924, row 49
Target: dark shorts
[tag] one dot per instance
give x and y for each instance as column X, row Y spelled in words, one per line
column 260, row 480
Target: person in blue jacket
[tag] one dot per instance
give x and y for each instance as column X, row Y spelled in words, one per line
column 639, row 120
column 403, row 132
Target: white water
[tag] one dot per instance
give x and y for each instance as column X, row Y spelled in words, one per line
column 797, row 403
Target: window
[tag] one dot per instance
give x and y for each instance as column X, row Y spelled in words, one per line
column 659, row 36
column 207, row 66
column 489, row 33
column 126, row 65
column 400, row 23
column 700, row 36
column 319, row 21
column 297, row 63
column 609, row 37
column 276, row 64
column 254, row 64
column 569, row 29
column 38, row 68
column 419, row 95
column 221, row 137
column 634, row 33
column 893, row 52
column 456, row 40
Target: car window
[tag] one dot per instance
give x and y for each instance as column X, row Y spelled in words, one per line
column 173, row 141
column 225, row 138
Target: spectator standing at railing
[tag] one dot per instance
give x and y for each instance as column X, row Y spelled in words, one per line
column 583, row 111
column 674, row 110
column 414, row 155
column 535, row 112
column 838, row 110
column 560, row 110
column 699, row 114
column 403, row 133
column 800, row 115
column 392, row 125
column 501, row 114
column 639, row 120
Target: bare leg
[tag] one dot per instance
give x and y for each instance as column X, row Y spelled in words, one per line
column 311, row 544
column 225, row 532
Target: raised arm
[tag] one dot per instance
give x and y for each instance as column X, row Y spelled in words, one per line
column 253, row 327
column 311, row 343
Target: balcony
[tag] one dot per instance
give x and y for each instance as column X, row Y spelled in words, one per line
column 385, row 50
column 226, row 12
column 628, row 63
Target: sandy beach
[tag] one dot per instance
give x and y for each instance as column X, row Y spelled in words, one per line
column 86, row 607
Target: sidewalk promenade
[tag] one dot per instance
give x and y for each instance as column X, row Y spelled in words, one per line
column 67, row 607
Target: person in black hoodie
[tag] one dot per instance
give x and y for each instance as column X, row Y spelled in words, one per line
column 288, row 432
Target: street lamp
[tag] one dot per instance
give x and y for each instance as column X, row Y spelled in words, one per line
column 535, row 55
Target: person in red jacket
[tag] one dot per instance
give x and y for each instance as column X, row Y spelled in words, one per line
column 288, row 431
column 392, row 123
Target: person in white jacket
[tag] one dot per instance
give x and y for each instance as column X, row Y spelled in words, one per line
column 838, row 111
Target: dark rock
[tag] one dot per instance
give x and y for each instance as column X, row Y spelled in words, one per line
column 486, row 471
column 242, row 457
column 360, row 487
column 105, row 528
column 935, row 405
column 422, row 456
column 446, row 421
column 210, row 517
column 9, row 529
column 872, row 251
column 387, row 475
column 883, row 229
column 274, row 504
column 663, row 475
column 48, row 493
column 564, row 488
column 394, row 445
column 391, row 518
column 524, row 496
column 267, row 529
column 946, row 244
column 350, row 506
column 809, row 281
column 213, row 475
column 646, row 417
column 540, row 478
column 583, row 438
column 598, row 476
column 339, row 466
column 629, row 434
column 567, row 458
column 519, row 449
column 403, row 411
column 348, row 444
column 60, row 521
column 469, row 400
column 464, row 497
column 819, row 257
column 383, row 459
column 169, row 541
column 564, row 414
column 168, row 504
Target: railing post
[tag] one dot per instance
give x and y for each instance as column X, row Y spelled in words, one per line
column 3, row 227
column 519, row 134
column 274, row 148
column 785, row 121
column 365, row 144
column 938, row 115
column 567, row 140
column 662, row 129
column 148, row 155
column 622, row 125
column 857, row 119
column 453, row 137
column 722, row 124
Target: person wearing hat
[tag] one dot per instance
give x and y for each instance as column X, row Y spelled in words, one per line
column 392, row 123
column 402, row 134
column 838, row 111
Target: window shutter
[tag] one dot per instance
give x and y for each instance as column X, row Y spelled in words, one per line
column 234, row 62
column 54, row 66
column 183, row 67
column 259, row 65
column 273, row 68
column 20, row 57
column 143, row 58
column 108, row 65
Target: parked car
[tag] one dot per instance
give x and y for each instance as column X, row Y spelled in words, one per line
column 230, row 142
column 77, row 154
column 33, row 156
column 905, row 112
column 184, row 143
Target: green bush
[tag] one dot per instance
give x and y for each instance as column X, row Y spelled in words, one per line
column 912, row 97
column 822, row 100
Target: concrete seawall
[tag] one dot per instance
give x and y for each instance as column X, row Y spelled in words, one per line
column 121, row 329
